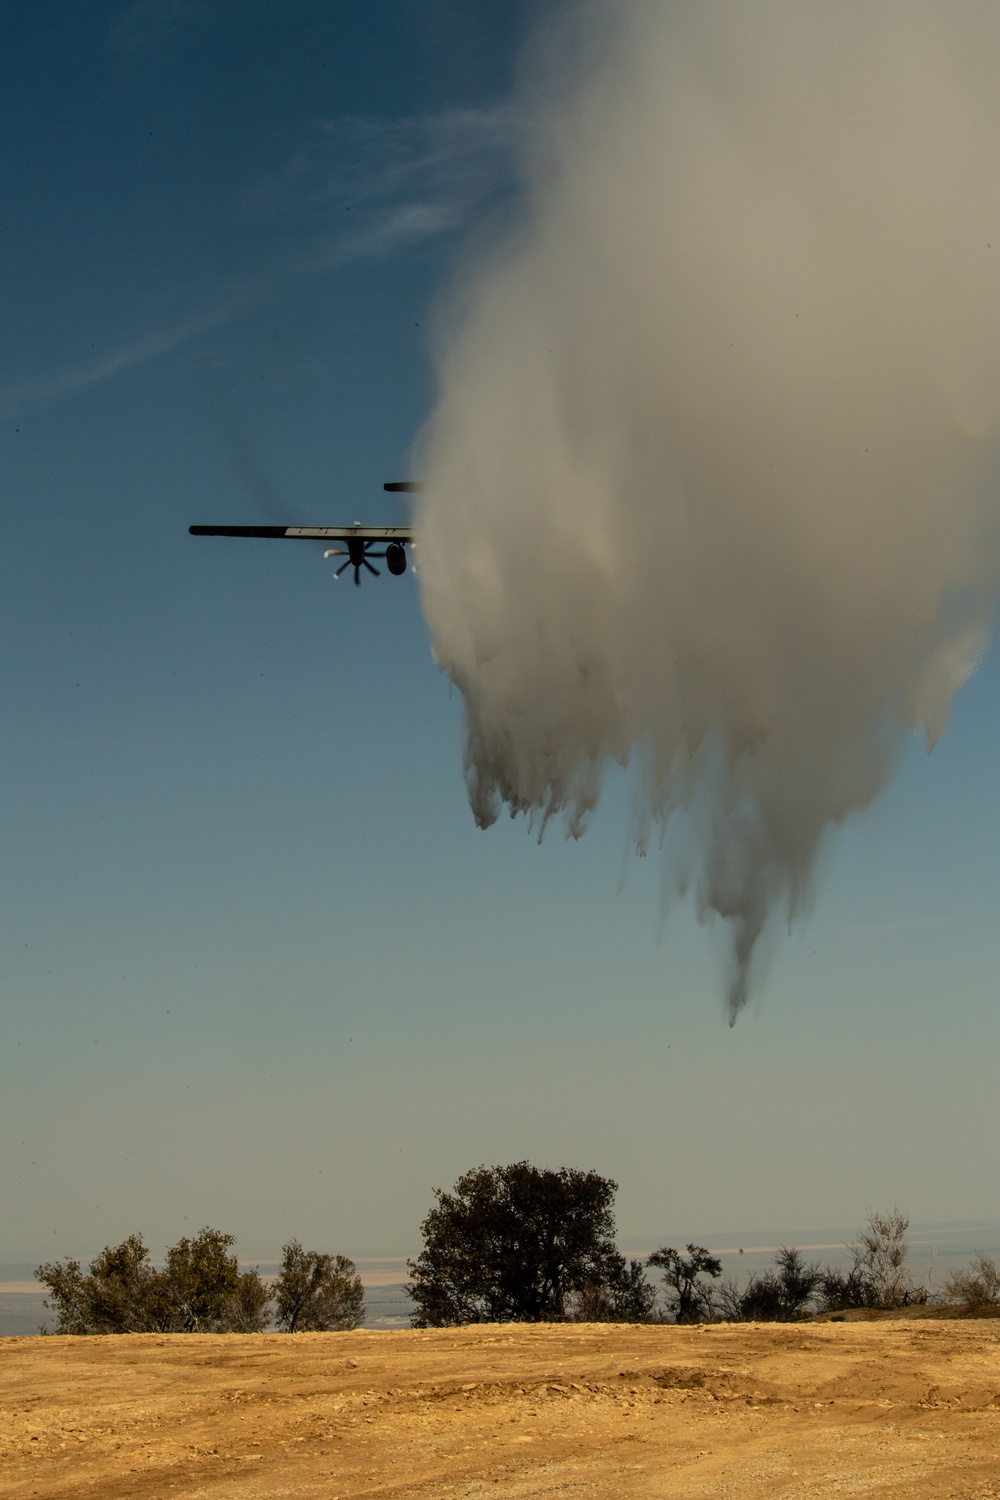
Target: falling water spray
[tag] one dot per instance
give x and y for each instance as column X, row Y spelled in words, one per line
column 712, row 472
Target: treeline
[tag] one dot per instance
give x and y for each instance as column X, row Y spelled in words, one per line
column 201, row 1289
column 507, row 1244
column 519, row 1243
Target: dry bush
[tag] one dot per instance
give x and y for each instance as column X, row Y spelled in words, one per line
column 978, row 1285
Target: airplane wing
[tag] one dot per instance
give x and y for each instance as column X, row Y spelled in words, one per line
column 310, row 533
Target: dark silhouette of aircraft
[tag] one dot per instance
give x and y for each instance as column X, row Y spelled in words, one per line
column 359, row 539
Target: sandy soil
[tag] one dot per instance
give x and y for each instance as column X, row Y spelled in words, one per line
column 824, row 1409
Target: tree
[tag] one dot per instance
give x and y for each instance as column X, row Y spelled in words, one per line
column 65, row 1281
column 880, row 1253
column 798, row 1281
column 202, row 1280
column 777, row 1296
column 512, row 1244
column 248, row 1309
column 688, row 1298
column 879, row 1274
column 625, row 1296
column 315, row 1293
column 200, row 1290
column 122, row 1293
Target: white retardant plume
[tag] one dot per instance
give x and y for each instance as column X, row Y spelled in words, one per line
column 712, row 475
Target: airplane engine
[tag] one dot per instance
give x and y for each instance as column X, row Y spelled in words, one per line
column 395, row 558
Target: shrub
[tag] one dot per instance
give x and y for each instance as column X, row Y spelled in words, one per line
column 879, row 1275
column 200, row 1290
column 778, row 1296
column 880, row 1253
column 976, row 1286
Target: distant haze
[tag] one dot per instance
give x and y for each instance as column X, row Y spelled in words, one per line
column 712, row 482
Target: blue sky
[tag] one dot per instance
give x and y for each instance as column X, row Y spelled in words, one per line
column 259, row 967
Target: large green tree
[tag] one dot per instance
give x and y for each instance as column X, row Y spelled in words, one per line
column 315, row 1293
column 515, row 1243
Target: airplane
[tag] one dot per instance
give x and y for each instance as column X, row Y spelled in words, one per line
column 360, row 539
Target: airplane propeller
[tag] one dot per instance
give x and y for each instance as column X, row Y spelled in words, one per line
column 357, row 553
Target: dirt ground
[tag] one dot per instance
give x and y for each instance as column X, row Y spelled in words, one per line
column 908, row 1407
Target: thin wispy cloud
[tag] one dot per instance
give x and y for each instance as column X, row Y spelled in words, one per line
column 401, row 181
column 392, row 231
column 357, row 189
column 20, row 398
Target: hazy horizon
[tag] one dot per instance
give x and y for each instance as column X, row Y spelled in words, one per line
column 935, row 1250
column 959, row 1236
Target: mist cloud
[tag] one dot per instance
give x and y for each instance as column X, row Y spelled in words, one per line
column 712, row 475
